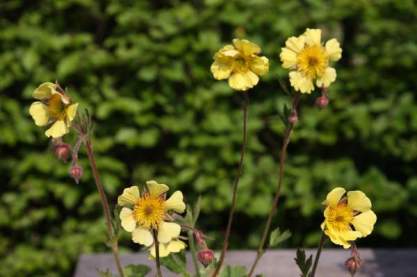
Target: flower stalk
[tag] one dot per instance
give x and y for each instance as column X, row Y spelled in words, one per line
column 105, row 204
column 282, row 159
column 235, row 185
column 157, row 258
column 317, row 257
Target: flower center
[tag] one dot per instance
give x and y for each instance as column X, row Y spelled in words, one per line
column 56, row 108
column 149, row 211
column 240, row 64
column 340, row 217
column 312, row 61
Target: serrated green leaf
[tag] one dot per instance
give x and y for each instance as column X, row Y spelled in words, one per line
column 277, row 237
column 134, row 270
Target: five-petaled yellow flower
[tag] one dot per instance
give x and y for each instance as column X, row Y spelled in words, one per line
column 309, row 60
column 53, row 108
column 348, row 216
column 240, row 64
column 148, row 212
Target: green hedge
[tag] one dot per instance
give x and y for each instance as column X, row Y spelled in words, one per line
column 142, row 68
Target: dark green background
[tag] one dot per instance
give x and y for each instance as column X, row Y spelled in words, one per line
column 142, row 68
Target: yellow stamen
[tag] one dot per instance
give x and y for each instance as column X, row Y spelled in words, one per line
column 313, row 61
column 56, row 108
column 340, row 217
column 149, row 211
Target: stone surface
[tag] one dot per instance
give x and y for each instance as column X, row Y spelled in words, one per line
column 377, row 263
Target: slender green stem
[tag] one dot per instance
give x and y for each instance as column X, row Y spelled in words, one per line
column 235, row 185
column 317, row 257
column 193, row 253
column 282, row 159
column 105, row 204
column 157, row 259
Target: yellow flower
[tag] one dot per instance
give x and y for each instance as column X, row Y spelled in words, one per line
column 149, row 211
column 53, row 108
column 309, row 60
column 348, row 216
column 240, row 64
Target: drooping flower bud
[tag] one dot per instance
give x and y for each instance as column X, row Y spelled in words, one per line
column 322, row 101
column 62, row 151
column 76, row 172
column 205, row 256
column 293, row 118
column 199, row 238
column 353, row 264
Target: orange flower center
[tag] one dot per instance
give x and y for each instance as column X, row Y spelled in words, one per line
column 312, row 61
column 149, row 211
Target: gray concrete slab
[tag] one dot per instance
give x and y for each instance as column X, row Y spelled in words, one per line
column 280, row 263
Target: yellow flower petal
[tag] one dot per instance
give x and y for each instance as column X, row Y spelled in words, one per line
column 58, row 129
column 127, row 220
column 175, row 246
column 168, row 231
column 342, row 238
column 227, row 51
column 288, row 58
column 312, row 36
column 163, row 250
column 358, row 201
column 221, row 68
column 334, row 196
column 245, row 47
column 129, row 196
column 364, row 222
column 175, row 202
column 243, row 80
column 44, row 90
column 333, row 50
column 328, row 77
column 39, row 113
column 259, row 65
column 155, row 189
column 295, row 44
column 300, row 82
column 142, row 236
column 71, row 111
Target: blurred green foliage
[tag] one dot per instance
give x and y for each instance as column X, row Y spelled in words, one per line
column 142, row 68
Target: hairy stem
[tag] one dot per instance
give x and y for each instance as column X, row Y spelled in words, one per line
column 317, row 257
column 105, row 205
column 282, row 159
column 193, row 253
column 157, row 259
column 235, row 185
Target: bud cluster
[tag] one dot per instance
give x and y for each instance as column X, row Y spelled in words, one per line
column 205, row 255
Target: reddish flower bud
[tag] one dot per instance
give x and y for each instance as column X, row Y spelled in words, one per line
column 62, row 151
column 353, row 264
column 76, row 172
column 205, row 256
column 322, row 101
column 199, row 238
column 293, row 118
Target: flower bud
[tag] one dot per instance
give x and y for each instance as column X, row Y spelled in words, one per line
column 199, row 238
column 322, row 101
column 353, row 264
column 205, row 256
column 293, row 118
column 62, row 151
column 76, row 172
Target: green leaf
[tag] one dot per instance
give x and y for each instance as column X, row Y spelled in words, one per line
column 174, row 263
column 234, row 271
column 133, row 270
column 106, row 273
column 277, row 237
column 303, row 264
column 196, row 210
